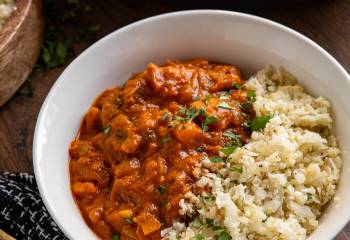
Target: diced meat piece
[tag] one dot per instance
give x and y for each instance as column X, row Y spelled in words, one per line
column 84, row 189
column 92, row 119
column 127, row 167
column 189, row 134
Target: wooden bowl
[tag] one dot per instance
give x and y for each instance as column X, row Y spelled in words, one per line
column 20, row 42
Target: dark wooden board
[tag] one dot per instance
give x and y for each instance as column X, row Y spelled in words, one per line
column 325, row 22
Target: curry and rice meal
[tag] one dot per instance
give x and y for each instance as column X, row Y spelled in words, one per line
column 190, row 150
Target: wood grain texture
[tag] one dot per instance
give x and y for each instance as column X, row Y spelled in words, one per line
column 20, row 42
column 325, row 22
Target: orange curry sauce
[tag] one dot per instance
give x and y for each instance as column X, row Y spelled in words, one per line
column 140, row 147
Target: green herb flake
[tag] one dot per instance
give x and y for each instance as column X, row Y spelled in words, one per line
column 165, row 139
column 200, row 149
column 264, row 221
column 208, row 198
column 217, row 229
column 228, row 150
column 209, row 221
column 233, row 136
column 309, row 196
column 116, row 236
column 224, row 105
column 202, row 112
column 224, row 235
column 161, row 189
column 199, row 236
column 207, row 97
column 236, row 86
column 107, row 129
column 259, row 122
column 208, row 120
column 219, row 175
column 224, row 96
column 236, row 169
column 216, row 159
column 197, row 222
column 251, row 95
column 165, row 116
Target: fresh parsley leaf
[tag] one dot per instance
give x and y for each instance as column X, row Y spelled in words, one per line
column 116, row 236
column 236, row 86
column 309, row 196
column 251, row 95
column 165, row 139
column 224, row 96
column 216, row 159
column 259, row 122
column 197, row 222
column 224, row 105
column 165, row 116
column 161, row 189
column 208, row 198
column 209, row 221
column 224, row 235
column 107, row 129
column 236, row 169
column 208, row 120
column 228, row 150
column 217, row 229
column 207, row 97
column 200, row 149
column 202, row 112
column 199, row 236
column 233, row 136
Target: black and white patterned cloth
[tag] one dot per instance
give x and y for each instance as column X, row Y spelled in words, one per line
column 22, row 212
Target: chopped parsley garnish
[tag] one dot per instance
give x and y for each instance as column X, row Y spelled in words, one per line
column 207, row 97
column 187, row 115
column 208, row 198
column 200, row 149
column 217, row 229
column 166, row 116
column 224, row 105
column 216, row 159
column 208, row 120
column 251, row 95
column 116, row 236
column 161, row 189
column 197, row 222
column 309, row 196
column 264, row 221
column 233, row 136
column 259, row 122
column 199, row 236
column 107, row 129
column 236, row 169
column 236, row 86
column 219, row 175
column 209, row 221
column 228, row 150
column 224, row 96
column 165, row 139
column 224, row 235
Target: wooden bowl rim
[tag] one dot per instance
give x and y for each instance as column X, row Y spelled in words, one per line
column 14, row 22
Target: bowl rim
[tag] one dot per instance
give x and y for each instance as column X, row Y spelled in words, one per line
column 331, row 232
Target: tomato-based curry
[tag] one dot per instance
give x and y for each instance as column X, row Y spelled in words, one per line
column 141, row 147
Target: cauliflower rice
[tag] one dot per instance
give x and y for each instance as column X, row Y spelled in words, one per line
column 276, row 185
column 6, row 8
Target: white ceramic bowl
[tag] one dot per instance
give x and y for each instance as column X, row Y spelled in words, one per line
column 246, row 41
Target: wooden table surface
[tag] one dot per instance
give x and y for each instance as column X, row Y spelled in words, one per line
column 325, row 22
